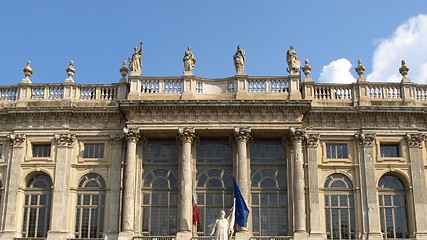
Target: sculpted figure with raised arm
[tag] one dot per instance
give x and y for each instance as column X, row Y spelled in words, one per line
column 135, row 63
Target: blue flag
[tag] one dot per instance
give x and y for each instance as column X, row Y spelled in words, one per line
column 241, row 210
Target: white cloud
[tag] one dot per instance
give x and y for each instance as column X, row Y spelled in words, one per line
column 337, row 72
column 408, row 42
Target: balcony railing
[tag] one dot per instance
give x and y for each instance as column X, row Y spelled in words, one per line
column 8, row 93
column 328, row 91
column 155, row 238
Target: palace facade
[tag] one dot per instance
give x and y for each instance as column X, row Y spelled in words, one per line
column 128, row 160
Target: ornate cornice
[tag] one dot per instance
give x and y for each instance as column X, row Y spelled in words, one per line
column 65, row 140
column 415, row 139
column 131, row 135
column 312, row 140
column 365, row 139
column 16, row 140
column 186, row 134
column 242, row 134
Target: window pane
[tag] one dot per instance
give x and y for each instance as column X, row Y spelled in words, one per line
column 41, row 150
column 93, row 150
column 336, row 150
column 389, row 150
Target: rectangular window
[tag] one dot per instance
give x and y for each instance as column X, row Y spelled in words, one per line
column 389, row 150
column 93, row 150
column 41, row 150
column 336, row 150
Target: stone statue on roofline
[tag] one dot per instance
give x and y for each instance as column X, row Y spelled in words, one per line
column 189, row 61
column 294, row 64
column 239, row 60
column 135, row 63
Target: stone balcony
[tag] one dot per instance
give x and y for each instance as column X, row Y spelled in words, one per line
column 239, row 87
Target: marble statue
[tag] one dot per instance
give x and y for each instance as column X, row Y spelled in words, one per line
column 221, row 228
column 135, row 63
column 239, row 60
column 294, row 63
column 189, row 60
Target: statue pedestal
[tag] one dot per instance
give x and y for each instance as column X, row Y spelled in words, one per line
column 184, row 236
column 125, row 236
column 300, row 235
column 243, row 235
column 188, row 73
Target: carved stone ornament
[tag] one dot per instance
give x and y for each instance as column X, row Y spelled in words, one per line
column 365, row 139
column 312, row 140
column 298, row 134
column 124, row 70
column 28, row 70
column 403, row 70
column 116, row 139
column 360, row 69
column 131, row 135
column 243, row 133
column 16, row 140
column 186, row 134
column 70, row 69
column 65, row 140
column 414, row 139
column 307, row 69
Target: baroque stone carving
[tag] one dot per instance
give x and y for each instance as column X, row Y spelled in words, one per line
column 414, row 139
column 243, row 134
column 65, row 140
column 239, row 60
column 298, row 134
column 189, row 60
column 294, row 64
column 116, row 139
column 131, row 135
column 16, row 140
column 28, row 70
column 186, row 134
column 312, row 140
column 365, row 139
column 135, row 63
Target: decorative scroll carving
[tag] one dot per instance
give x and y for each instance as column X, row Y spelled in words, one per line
column 298, row 134
column 186, row 134
column 312, row 140
column 365, row 139
column 242, row 134
column 16, row 140
column 415, row 139
column 65, row 140
column 131, row 135
column 116, row 139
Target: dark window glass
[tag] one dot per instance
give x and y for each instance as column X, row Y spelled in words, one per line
column 389, row 150
column 41, row 150
column 93, row 150
column 336, row 151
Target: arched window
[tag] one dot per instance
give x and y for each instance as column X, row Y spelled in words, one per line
column 160, row 188
column 268, row 191
column 90, row 206
column 339, row 207
column 214, row 181
column 38, row 195
column 393, row 208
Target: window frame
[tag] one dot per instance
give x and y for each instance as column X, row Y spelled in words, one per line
column 324, row 151
column 45, row 146
column 389, row 142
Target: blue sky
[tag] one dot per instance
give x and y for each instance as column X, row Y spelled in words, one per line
column 99, row 35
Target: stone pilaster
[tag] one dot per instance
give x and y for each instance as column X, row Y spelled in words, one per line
column 300, row 228
column 112, row 227
column 13, row 212
column 419, row 195
column 242, row 138
column 129, row 192
column 60, row 228
column 313, row 187
column 185, row 213
column 368, row 186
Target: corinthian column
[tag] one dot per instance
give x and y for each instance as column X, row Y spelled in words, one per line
column 61, row 188
column 419, row 195
column 299, row 199
column 368, row 186
column 13, row 214
column 242, row 137
column 128, row 218
column 185, row 214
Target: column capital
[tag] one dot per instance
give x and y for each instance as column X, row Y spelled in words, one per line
column 65, row 140
column 131, row 135
column 116, row 139
column 16, row 140
column 243, row 134
column 415, row 139
column 312, row 140
column 186, row 134
column 365, row 139
column 298, row 134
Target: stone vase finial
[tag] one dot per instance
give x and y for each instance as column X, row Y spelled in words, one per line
column 307, row 70
column 360, row 69
column 124, row 70
column 70, row 71
column 28, row 71
column 403, row 70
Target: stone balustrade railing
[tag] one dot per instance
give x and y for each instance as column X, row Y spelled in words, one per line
column 240, row 87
